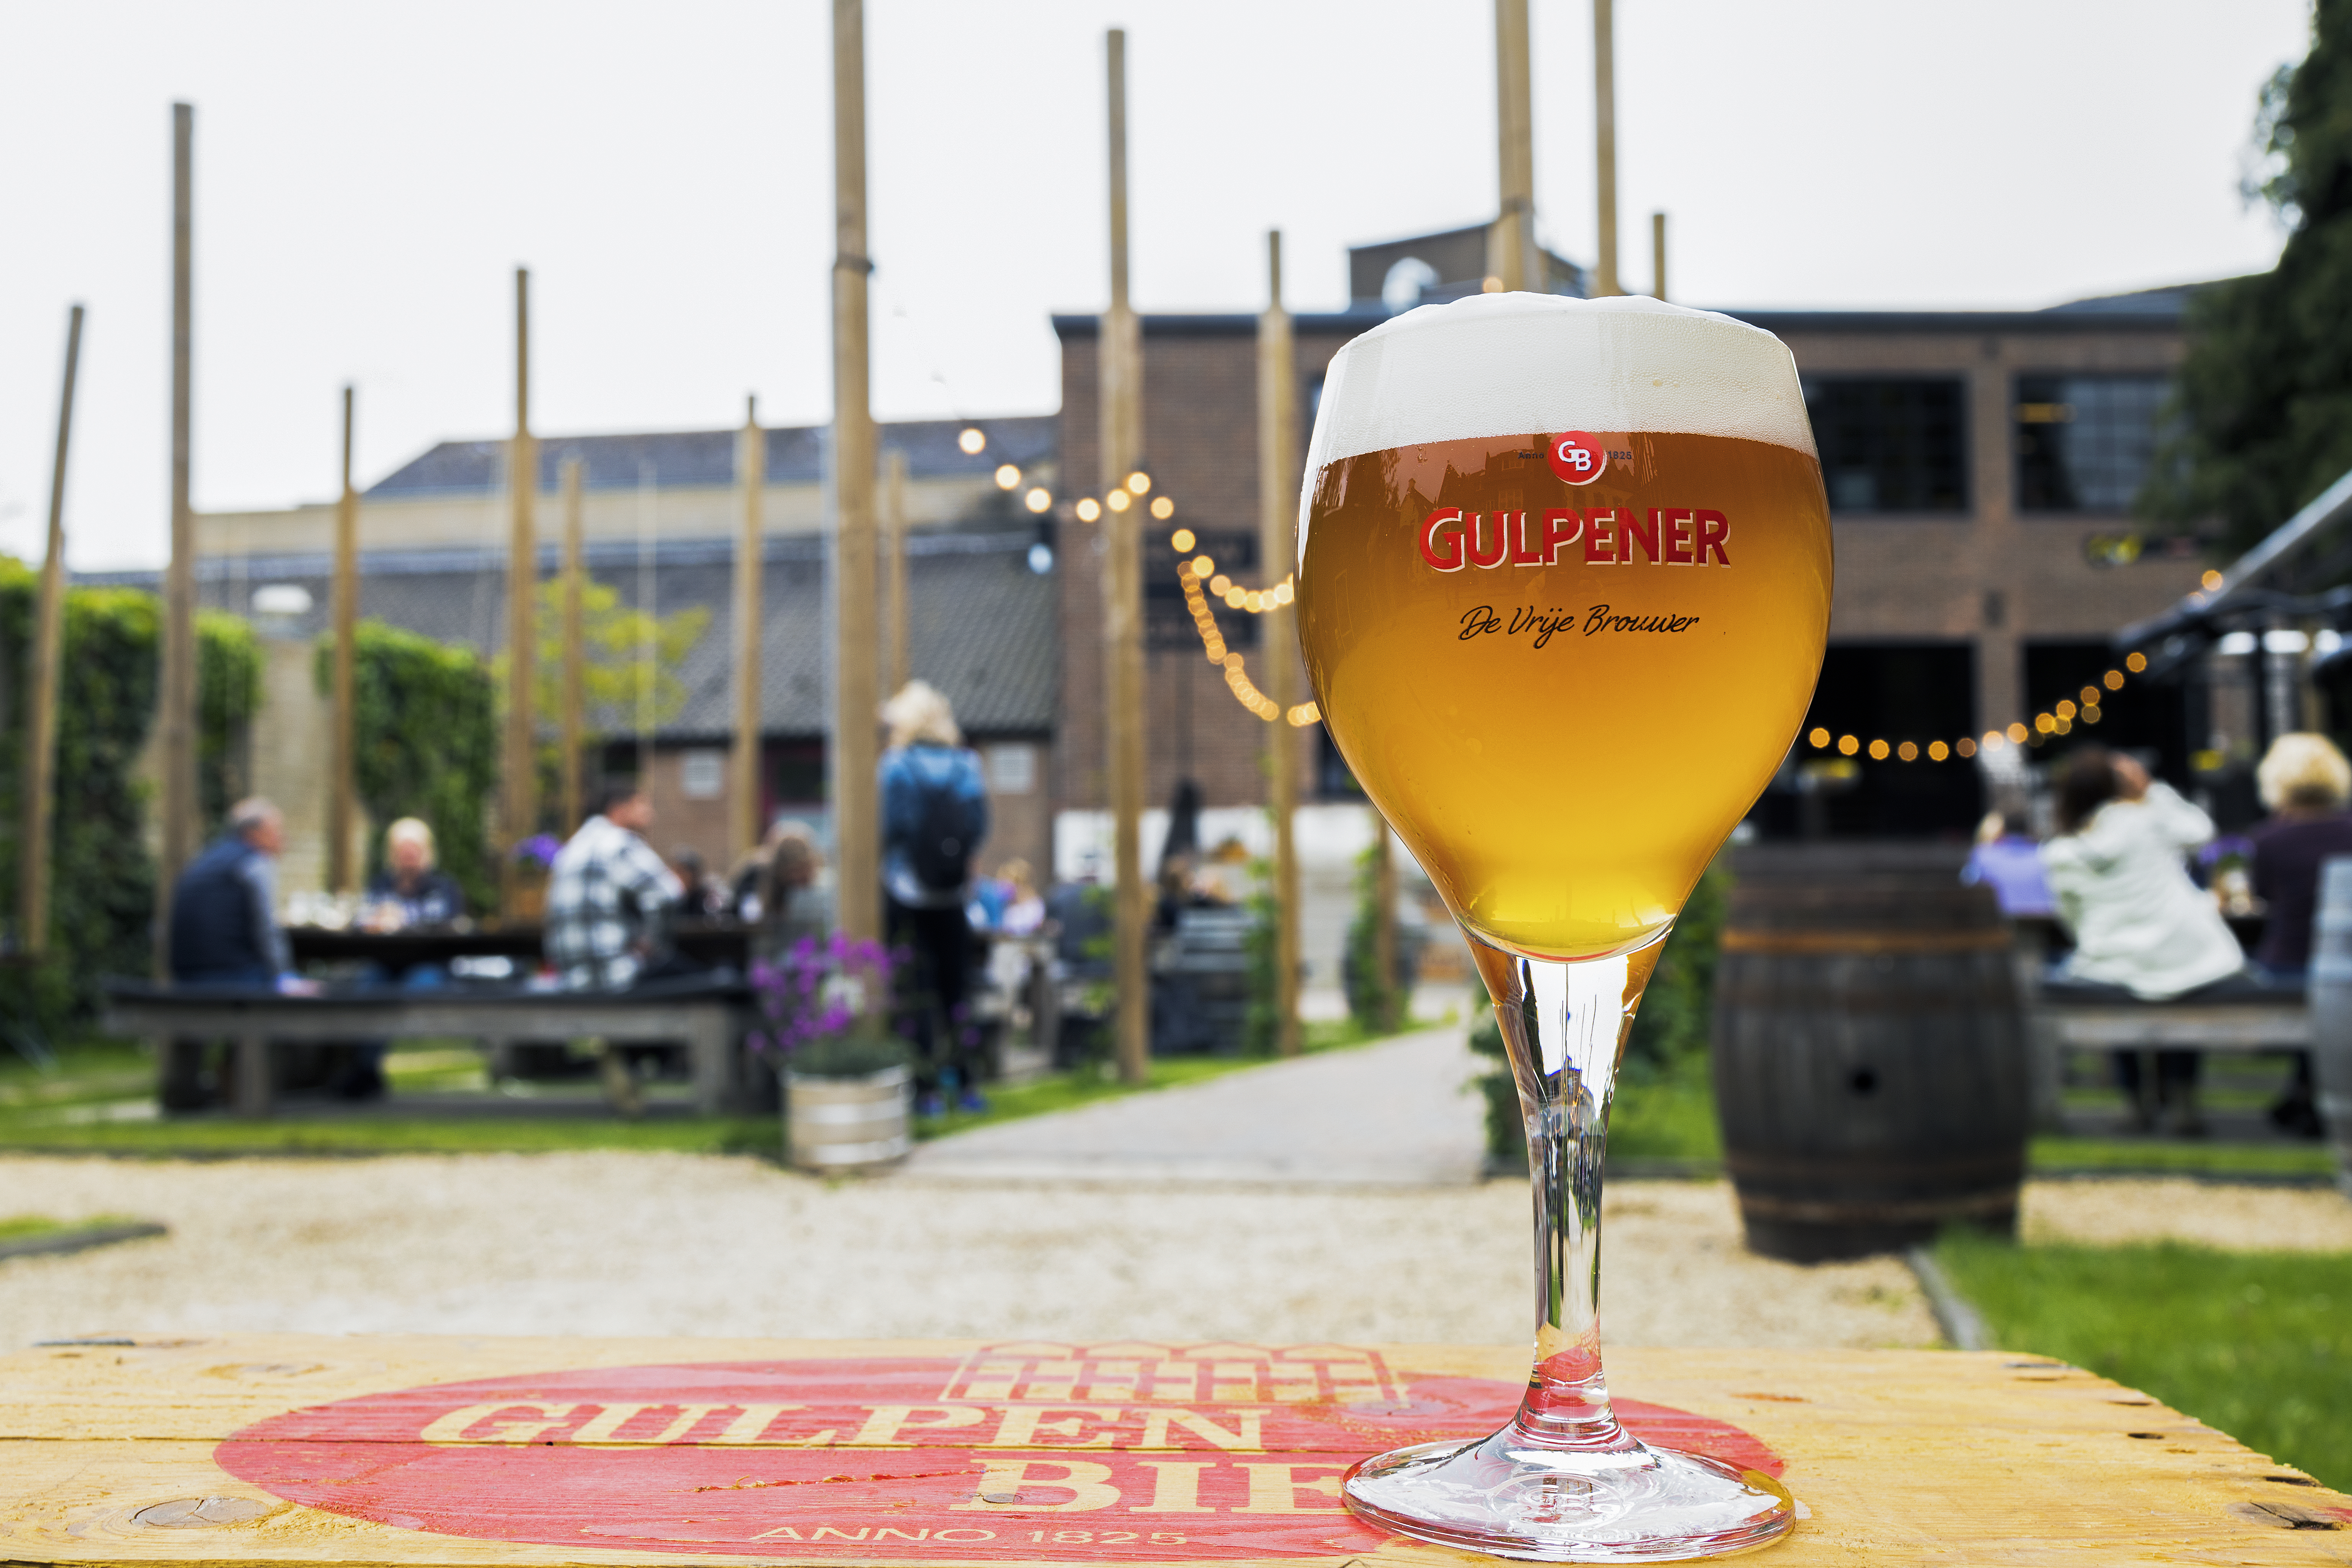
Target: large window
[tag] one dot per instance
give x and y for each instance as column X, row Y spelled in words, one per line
column 1891, row 445
column 2085, row 443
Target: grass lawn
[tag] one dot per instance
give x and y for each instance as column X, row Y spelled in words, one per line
column 2257, row 1344
column 71, row 1111
column 1670, row 1118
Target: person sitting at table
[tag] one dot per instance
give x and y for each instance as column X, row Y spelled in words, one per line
column 225, row 934
column 411, row 890
column 707, row 898
column 2140, row 925
column 225, row 930
column 791, row 901
column 2305, row 782
column 607, row 894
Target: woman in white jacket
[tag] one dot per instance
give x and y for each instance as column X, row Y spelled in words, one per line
column 2116, row 872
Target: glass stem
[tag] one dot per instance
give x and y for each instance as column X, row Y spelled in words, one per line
column 1565, row 1025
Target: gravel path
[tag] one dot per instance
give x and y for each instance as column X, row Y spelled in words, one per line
column 2234, row 1218
column 656, row 1243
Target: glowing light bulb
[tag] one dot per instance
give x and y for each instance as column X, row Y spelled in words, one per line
column 1118, row 500
column 1203, row 565
column 1008, row 478
column 1219, row 583
column 2212, row 579
column 2017, row 734
column 1234, row 597
column 2064, row 710
column 1878, row 751
column 973, row 441
column 1180, row 541
column 1088, row 509
column 1848, row 745
column 1038, row 500
column 1965, row 747
column 1163, row 508
column 1937, row 751
column 1140, row 482
column 2135, row 663
column 1907, row 752
column 2113, row 681
column 1820, row 738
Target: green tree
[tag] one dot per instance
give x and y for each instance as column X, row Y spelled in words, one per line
column 619, row 686
column 2266, row 389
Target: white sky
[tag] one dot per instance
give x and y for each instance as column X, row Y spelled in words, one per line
column 368, row 174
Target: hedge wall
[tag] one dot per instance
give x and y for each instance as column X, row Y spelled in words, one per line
column 102, row 878
column 425, row 743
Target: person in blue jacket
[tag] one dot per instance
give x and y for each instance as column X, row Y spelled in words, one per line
column 934, row 816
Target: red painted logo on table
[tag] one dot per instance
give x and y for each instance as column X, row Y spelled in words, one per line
column 1022, row 1451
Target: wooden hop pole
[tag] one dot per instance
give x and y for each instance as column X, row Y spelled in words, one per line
column 575, row 642
column 176, row 720
column 1511, row 240
column 747, row 792
column 1277, row 510
column 41, row 721
column 1121, row 350
column 1658, row 255
column 898, row 671
column 1604, row 112
column 341, row 783
column 519, row 795
column 854, row 752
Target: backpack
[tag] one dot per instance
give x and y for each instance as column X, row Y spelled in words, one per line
column 945, row 837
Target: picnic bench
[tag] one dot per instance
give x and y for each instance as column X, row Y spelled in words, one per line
column 706, row 1016
column 300, row 1450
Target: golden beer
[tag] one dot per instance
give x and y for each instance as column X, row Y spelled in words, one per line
column 1564, row 693
column 1563, row 587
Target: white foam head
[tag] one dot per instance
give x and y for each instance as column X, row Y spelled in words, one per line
column 1524, row 364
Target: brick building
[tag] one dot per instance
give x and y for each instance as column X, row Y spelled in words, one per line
column 1980, row 465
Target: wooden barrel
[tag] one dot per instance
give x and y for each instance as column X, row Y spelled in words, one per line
column 1870, row 1062
column 847, row 1123
column 2331, row 1010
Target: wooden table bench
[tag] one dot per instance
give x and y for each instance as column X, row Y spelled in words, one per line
column 284, row 1449
column 709, row 1020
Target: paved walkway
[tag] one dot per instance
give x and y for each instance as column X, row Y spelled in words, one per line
column 1392, row 1114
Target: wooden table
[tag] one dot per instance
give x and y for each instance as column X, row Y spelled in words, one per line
column 245, row 1449
column 706, row 941
column 709, row 1020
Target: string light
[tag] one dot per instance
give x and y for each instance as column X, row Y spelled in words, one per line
column 2058, row 719
column 1118, row 500
column 1191, row 576
column 1008, row 478
column 972, row 440
column 1038, row 500
column 1164, row 508
column 1088, row 509
column 1181, row 539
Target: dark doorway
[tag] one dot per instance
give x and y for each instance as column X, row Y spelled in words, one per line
column 1917, row 694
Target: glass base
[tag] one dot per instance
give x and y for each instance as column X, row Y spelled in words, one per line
column 1507, row 1499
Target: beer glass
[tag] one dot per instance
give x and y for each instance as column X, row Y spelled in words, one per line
column 1563, row 585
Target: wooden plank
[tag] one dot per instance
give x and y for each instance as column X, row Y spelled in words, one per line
column 1277, row 500
column 853, row 748
column 40, row 758
column 175, row 710
column 517, row 756
column 343, row 619
column 2192, row 1029
column 398, row 1450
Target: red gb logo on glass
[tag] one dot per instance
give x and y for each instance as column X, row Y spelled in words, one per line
column 1576, row 458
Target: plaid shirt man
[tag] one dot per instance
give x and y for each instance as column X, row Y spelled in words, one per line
column 604, row 893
